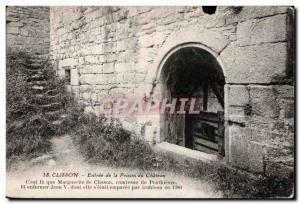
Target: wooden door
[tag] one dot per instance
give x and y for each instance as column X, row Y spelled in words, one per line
column 205, row 132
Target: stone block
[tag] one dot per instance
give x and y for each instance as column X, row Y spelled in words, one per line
column 25, row 33
column 119, row 78
column 91, row 60
column 74, row 77
column 140, row 92
column 111, row 57
column 238, row 95
column 117, row 91
column 81, row 60
column 289, row 111
column 245, row 154
column 76, row 91
column 86, row 96
column 229, row 31
column 108, row 68
column 123, row 67
column 91, row 69
column 237, row 146
column 142, row 66
column 279, row 160
column 91, row 79
column 286, row 91
column 96, row 49
column 128, row 77
column 236, row 131
column 262, row 30
column 264, row 101
column 112, row 78
column 150, row 133
column 146, row 54
column 252, row 12
column 121, row 45
column 147, row 27
column 101, row 59
column 61, row 73
column 12, row 30
column 146, row 41
column 94, row 97
column 69, row 88
column 254, row 64
column 255, row 153
column 279, row 169
column 138, row 78
column 236, row 115
column 85, row 88
column 68, row 63
column 109, row 47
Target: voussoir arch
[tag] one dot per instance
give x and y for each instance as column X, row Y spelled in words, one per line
column 194, row 36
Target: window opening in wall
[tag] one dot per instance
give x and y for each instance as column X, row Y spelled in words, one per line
column 68, row 76
column 209, row 9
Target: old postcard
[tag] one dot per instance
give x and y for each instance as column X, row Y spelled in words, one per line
column 150, row 102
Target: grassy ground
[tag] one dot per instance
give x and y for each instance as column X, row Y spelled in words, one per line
column 105, row 141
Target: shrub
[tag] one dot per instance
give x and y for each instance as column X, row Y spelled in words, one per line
column 17, row 89
column 104, row 140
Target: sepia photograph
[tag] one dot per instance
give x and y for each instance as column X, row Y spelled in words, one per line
column 150, row 102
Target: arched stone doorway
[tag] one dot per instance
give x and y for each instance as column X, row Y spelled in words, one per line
column 193, row 72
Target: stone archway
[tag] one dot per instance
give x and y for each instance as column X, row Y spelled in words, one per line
column 200, row 37
column 192, row 72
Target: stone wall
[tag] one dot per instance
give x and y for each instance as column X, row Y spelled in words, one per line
column 28, row 29
column 120, row 51
column 261, row 140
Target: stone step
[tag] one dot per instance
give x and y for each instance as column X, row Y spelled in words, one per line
column 43, row 100
column 52, row 92
column 57, row 122
column 39, row 83
column 36, row 77
column 51, row 104
column 37, row 87
column 30, row 67
column 63, row 116
column 38, row 91
column 45, row 96
column 53, row 115
column 32, row 72
column 36, row 58
column 44, row 90
column 35, row 65
column 51, row 107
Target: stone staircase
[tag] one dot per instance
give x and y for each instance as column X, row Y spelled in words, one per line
column 47, row 101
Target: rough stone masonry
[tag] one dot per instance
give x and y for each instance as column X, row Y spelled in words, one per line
column 120, row 51
column 28, row 30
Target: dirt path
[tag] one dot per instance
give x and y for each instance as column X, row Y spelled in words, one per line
column 64, row 158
